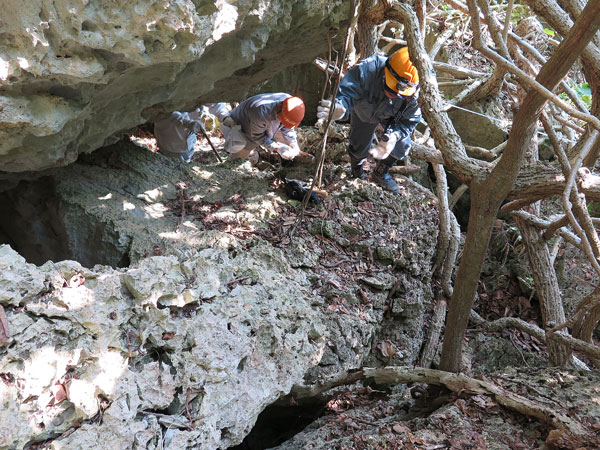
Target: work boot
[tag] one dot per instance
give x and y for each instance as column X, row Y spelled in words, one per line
column 381, row 176
column 356, row 167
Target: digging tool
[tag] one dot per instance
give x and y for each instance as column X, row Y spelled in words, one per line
column 210, row 143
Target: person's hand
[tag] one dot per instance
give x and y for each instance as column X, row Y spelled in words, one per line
column 228, row 121
column 324, row 107
column 290, row 152
column 285, row 151
column 385, row 147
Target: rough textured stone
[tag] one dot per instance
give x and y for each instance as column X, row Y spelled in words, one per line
column 136, row 355
column 186, row 346
column 18, row 279
column 74, row 75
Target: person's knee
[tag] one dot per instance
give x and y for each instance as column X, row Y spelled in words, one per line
column 242, row 154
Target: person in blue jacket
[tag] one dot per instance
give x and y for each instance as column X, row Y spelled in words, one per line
column 378, row 90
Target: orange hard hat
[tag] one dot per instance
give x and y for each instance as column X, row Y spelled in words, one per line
column 401, row 77
column 292, row 112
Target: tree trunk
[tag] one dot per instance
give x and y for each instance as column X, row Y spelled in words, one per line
column 369, row 15
column 488, row 189
column 486, row 197
column 546, row 285
column 553, row 13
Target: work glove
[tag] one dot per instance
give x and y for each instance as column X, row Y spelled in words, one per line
column 323, row 110
column 385, row 147
column 228, row 121
column 285, row 151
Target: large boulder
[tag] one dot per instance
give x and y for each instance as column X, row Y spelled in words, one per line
column 74, row 75
column 189, row 310
column 107, row 336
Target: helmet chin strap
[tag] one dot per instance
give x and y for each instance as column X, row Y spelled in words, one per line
column 401, row 83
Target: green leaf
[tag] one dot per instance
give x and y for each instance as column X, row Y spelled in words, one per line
column 549, row 32
column 584, row 92
column 587, row 99
column 583, row 89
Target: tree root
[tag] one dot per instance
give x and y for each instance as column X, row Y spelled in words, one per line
column 465, row 384
column 460, row 384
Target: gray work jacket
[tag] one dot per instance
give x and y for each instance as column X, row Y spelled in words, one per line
column 257, row 116
column 177, row 133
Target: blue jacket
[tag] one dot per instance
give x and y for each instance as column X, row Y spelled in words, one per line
column 257, row 116
column 362, row 94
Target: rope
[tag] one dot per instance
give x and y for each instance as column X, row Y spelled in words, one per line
column 450, row 105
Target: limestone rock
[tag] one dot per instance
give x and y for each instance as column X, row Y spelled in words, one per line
column 262, row 336
column 74, row 75
column 19, row 280
column 191, row 341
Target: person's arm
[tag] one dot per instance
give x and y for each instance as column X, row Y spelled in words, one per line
column 405, row 123
column 351, row 88
column 185, row 121
column 291, row 149
column 397, row 136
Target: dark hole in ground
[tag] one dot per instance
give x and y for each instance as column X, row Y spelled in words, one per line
column 40, row 226
column 279, row 423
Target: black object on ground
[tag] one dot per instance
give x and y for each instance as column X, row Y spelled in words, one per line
column 297, row 189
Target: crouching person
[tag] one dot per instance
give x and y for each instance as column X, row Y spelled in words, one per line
column 266, row 120
column 176, row 135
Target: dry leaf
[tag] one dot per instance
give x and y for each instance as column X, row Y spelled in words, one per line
column 524, row 302
column 76, row 281
column 4, row 333
column 554, row 436
column 400, row 429
column 59, row 393
column 386, row 348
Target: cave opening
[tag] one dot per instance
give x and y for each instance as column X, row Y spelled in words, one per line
column 278, row 423
column 41, row 226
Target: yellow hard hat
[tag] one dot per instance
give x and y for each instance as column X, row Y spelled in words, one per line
column 401, row 77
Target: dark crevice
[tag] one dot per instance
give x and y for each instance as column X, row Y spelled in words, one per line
column 38, row 224
column 279, row 423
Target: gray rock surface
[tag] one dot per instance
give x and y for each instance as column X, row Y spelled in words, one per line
column 75, row 75
column 223, row 360
column 186, row 344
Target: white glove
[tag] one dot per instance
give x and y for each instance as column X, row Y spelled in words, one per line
column 385, row 147
column 323, row 110
column 285, row 151
column 228, row 121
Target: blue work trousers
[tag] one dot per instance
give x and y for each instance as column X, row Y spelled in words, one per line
column 361, row 138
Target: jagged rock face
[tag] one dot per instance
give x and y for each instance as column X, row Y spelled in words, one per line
column 186, row 346
column 75, row 74
column 111, row 335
